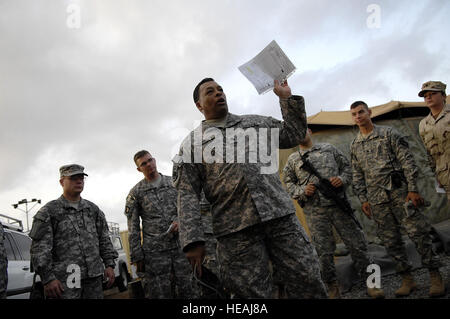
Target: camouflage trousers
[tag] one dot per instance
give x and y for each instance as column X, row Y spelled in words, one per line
column 245, row 258
column 210, row 263
column 391, row 217
column 90, row 288
column 210, row 260
column 3, row 277
column 168, row 275
column 320, row 221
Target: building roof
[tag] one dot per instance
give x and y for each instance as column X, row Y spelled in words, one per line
column 343, row 118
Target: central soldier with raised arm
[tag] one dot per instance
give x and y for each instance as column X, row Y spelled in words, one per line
column 259, row 237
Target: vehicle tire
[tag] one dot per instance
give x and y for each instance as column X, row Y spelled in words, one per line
column 122, row 280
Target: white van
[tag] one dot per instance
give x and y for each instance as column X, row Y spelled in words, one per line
column 121, row 269
column 17, row 246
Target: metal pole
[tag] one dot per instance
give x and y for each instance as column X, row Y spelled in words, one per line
column 26, row 212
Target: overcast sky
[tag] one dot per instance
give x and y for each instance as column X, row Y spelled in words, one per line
column 122, row 80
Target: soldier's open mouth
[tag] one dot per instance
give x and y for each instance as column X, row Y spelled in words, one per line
column 220, row 102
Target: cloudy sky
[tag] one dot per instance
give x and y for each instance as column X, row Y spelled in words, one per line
column 94, row 81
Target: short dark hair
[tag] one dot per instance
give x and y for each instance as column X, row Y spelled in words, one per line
column 197, row 88
column 139, row 155
column 358, row 103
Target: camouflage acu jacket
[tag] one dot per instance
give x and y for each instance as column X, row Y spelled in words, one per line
column 240, row 192
column 205, row 209
column 157, row 209
column 63, row 236
column 327, row 160
column 373, row 160
column 435, row 134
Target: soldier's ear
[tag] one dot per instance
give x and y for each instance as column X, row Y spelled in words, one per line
column 61, row 181
column 199, row 106
column 138, row 169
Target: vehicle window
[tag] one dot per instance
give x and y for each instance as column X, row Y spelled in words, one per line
column 24, row 244
column 11, row 249
column 117, row 243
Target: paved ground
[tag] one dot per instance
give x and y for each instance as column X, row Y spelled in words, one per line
column 115, row 294
column 391, row 283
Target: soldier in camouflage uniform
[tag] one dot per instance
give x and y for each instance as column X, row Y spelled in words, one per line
column 158, row 256
column 3, row 265
column 209, row 284
column 384, row 178
column 71, row 247
column 210, row 260
column 435, row 132
column 253, row 217
column 322, row 213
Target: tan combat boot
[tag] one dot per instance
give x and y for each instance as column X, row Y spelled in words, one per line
column 333, row 290
column 408, row 285
column 437, row 287
column 376, row 293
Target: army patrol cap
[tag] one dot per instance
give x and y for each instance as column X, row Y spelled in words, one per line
column 71, row 169
column 432, row 86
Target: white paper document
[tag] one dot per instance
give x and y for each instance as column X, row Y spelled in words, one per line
column 269, row 65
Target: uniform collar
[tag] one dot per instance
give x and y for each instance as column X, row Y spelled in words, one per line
column 313, row 148
column 375, row 133
column 430, row 119
column 231, row 120
column 164, row 182
column 66, row 203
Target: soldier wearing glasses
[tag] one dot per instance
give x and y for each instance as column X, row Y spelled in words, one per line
column 167, row 273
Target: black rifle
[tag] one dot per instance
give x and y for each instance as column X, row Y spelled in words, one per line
column 329, row 191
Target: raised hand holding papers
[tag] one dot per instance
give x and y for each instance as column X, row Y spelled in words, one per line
column 269, row 65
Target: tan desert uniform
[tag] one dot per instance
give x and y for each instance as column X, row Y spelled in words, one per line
column 435, row 133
